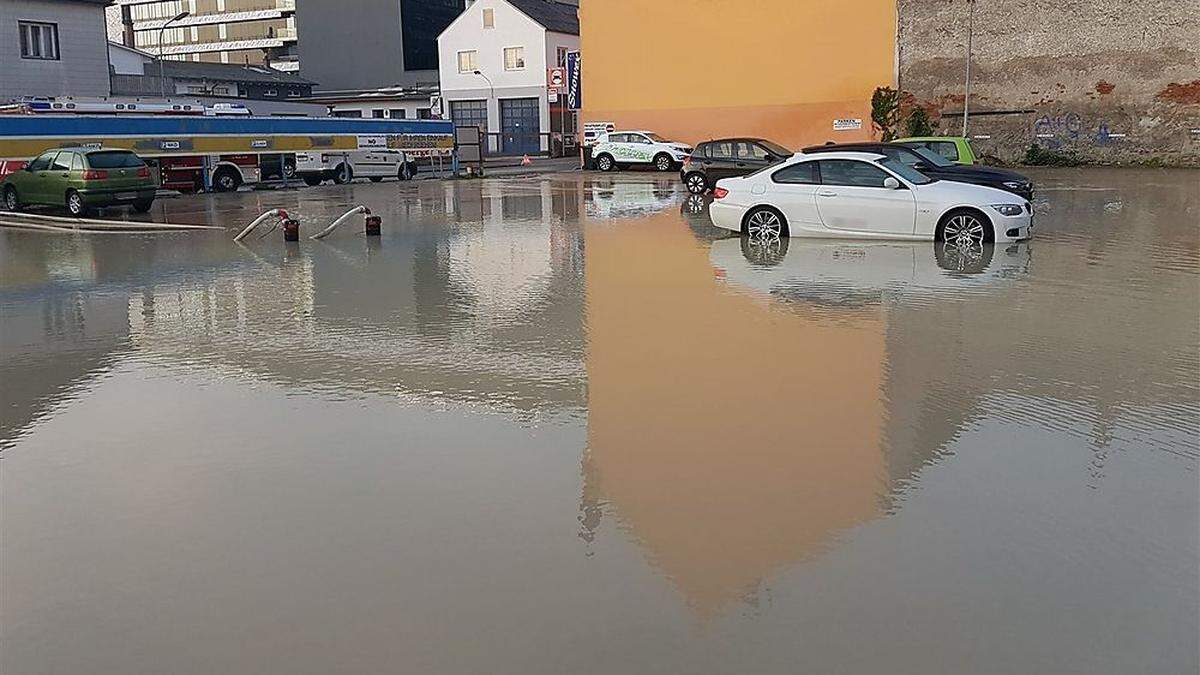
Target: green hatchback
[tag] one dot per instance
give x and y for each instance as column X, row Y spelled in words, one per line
column 81, row 179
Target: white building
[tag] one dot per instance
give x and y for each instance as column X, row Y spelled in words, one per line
column 493, row 63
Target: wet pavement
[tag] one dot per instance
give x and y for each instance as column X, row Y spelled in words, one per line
column 563, row 425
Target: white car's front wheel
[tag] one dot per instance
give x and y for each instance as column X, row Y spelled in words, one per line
column 662, row 162
column 605, row 163
column 964, row 227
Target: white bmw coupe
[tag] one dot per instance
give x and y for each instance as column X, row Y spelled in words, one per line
column 863, row 195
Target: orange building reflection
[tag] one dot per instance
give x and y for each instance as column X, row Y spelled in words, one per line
column 729, row 437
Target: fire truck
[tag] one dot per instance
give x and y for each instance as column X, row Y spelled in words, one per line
column 203, row 148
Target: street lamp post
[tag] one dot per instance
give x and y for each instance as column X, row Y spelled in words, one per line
column 162, row 83
column 491, row 95
column 970, row 45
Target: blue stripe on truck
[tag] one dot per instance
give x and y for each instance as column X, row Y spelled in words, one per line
column 167, row 125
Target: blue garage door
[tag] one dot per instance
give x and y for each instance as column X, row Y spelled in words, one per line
column 520, row 126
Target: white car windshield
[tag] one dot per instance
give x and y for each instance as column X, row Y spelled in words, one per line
column 906, row 172
column 656, row 138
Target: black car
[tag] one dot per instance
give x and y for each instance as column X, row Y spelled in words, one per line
column 934, row 165
column 726, row 157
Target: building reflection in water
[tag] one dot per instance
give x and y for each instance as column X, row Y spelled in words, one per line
column 750, row 402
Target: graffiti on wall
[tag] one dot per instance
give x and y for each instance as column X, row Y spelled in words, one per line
column 1067, row 129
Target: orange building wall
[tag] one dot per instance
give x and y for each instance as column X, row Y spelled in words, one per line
column 698, row 69
column 683, row 369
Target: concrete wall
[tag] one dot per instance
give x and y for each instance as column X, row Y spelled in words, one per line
column 354, row 44
column 697, row 69
column 82, row 66
column 1111, row 81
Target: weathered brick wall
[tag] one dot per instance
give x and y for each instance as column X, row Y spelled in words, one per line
column 1112, row 81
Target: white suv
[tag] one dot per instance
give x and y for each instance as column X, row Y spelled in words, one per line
column 619, row 148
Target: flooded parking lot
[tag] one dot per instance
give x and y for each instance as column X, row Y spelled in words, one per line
column 561, row 424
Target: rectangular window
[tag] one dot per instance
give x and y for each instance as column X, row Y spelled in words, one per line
column 270, row 92
column 377, row 114
column 514, row 58
column 38, row 40
column 562, row 57
column 398, row 113
column 347, row 113
column 489, row 18
column 468, row 61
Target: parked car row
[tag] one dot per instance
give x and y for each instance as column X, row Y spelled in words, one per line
column 83, row 179
column 911, row 188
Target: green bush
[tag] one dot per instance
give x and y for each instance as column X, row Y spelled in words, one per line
column 918, row 123
column 1036, row 155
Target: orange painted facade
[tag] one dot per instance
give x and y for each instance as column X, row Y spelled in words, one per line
column 698, row 69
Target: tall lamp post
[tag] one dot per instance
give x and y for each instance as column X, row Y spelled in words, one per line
column 162, row 83
column 491, row 95
column 970, row 45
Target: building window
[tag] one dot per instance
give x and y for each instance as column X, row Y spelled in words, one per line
column 424, row 114
column 397, row 113
column 270, row 92
column 293, row 93
column 377, row 113
column 489, row 18
column 347, row 113
column 468, row 62
column 562, row 57
column 514, row 58
column 39, row 40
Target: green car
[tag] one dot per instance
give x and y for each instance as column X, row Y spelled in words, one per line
column 954, row 148
column 81, row 179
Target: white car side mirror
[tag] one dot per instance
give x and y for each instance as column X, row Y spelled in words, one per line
column 891, row 183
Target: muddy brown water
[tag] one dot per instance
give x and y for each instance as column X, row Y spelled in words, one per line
column 562, row 425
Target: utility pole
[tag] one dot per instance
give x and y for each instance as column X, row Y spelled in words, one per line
column 162, row 83
column 970, row 45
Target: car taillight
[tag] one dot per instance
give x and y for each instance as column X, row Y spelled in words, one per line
column 144, row 172
column 95, row 174
column 720, row 193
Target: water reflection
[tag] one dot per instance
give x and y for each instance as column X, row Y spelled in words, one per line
column 551, row 420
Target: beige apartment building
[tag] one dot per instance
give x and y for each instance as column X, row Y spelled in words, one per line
column 214, row 31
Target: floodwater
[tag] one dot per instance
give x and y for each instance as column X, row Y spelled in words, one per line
column 562, row 425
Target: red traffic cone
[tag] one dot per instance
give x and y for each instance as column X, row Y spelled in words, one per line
column 525, row 161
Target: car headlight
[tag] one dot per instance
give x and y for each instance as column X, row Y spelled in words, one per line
column 1008, row 209
column 1015, row 185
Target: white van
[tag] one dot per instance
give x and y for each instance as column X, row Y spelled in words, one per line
column 343, row 167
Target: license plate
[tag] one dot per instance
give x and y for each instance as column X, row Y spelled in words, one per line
column 126, row 195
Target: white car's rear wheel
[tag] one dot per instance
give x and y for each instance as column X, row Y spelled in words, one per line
column 764, row 222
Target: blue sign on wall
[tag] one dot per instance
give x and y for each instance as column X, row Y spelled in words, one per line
column 574, row 89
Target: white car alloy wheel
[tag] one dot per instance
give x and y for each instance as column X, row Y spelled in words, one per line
column 662, row 163
column 963, row 229
column 696, row 183
column 764, row 224
column 605, row 163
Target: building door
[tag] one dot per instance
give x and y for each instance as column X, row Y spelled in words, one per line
column 520, row 126
column 472, row 114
